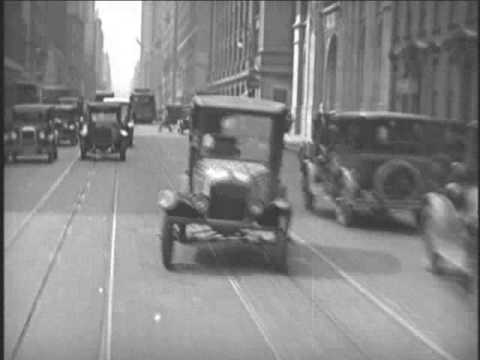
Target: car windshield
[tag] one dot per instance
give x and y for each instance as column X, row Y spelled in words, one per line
column 104, row 117
column 395, row 136
column 238, row 136
column 29, row 117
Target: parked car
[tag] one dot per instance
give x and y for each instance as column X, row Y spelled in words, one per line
column 30, row 132
column 234, row 185
column 103, row 131
column 127, row 116
column 450, row 218
column 66, row 122
column 376, row 162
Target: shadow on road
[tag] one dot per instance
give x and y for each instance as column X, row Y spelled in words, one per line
column 368, row 222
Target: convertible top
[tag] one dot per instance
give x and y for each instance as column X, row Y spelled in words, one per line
column 240, row 103
column 33, row 107
column 117, row 100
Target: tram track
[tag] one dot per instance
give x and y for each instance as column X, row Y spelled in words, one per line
column 377, row 302
column 12, row 239
column 59, row 244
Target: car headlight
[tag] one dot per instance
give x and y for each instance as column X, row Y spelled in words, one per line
column 84, row 131
column 123, row 132
column 13, row 135
column 50, row 137
column 71, row 127
column 5, row 137
column 256, row 208
column 130, row 124
column 41, row 135
column 167, row 199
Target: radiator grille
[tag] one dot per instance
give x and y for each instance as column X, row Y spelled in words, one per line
column 228, row 201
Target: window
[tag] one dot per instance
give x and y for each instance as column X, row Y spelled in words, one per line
column 452, row 6
column 436, row 11
column 421, row 18
column 408, row 19
column 434, row 86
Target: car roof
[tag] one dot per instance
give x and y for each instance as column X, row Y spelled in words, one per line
column 377, row 115
column 116, row 100
column 56, row 86
column 33, row 107
column 241, row 103
column 65, row 107
column 100, row 105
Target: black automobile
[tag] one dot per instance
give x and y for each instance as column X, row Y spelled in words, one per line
column 376, row 162
column 103, row 131
column 66, row 121
column 234, row 186
column 30, row 132
column 127, row 116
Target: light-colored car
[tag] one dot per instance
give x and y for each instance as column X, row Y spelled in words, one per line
column 450, row 220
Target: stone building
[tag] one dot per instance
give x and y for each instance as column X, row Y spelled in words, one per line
column 435, row 59
column 251, row 48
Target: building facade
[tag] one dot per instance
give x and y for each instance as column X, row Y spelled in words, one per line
column 410, row 56
column 435, row 59
column 49, row 42
column 250, row 37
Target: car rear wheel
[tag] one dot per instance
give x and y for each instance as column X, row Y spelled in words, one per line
column 50, row 156
column 168, row 237
column 344, row 214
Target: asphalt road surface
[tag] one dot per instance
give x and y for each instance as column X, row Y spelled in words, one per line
column 84, row 278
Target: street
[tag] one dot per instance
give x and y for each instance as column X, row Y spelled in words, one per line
column 84, row 277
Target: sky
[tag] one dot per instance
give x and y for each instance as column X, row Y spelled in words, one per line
column 121, row 27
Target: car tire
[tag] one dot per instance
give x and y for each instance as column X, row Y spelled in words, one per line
column 83, row 153
column 280, row 250
column 55, row 153
column 50, row 156
column 167, row 243
column 123, row 154
column 344, row 214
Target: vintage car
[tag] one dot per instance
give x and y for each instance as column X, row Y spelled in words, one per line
column 377, row 162
column 103, row 131
column 127, row 118
column 30, row 132
column 66, row 122
column 450, row 218
column 234, row 188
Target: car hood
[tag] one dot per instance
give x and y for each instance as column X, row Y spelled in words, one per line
column 254, row 175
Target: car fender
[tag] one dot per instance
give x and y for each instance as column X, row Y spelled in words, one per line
column 443, row 218
column 183, row 208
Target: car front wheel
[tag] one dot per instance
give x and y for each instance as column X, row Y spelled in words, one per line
column 83, row 152
column 280, row 251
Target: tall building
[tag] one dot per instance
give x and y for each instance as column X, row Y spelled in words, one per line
column 106, row 73
column 89, row 50
column 435, row 59
column 251, row 48
column 98, row 51
column 76, row 19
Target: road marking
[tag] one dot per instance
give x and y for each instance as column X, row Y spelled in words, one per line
column 375, row 300
column 250, row 309
column 106, row 345
column 12, row 239
column 53, row 259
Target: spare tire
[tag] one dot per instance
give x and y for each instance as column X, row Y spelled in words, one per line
column 398, row 180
